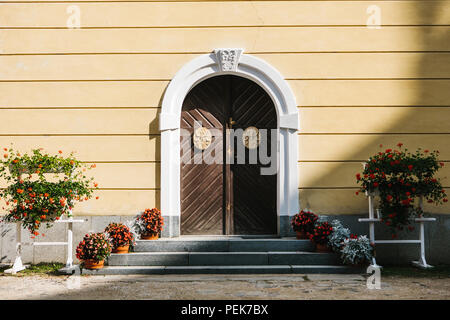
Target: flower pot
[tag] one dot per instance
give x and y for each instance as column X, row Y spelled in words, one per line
column 322, row 248
column 149, row 236
column 92, row 264
column 301, row 235
column 121, row 249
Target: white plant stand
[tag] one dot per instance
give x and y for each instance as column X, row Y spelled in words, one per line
column 19, row 266
column 421, row 263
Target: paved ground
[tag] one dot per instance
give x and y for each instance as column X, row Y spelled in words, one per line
column 223, row 287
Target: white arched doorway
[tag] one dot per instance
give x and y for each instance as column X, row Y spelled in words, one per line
column 233, row 62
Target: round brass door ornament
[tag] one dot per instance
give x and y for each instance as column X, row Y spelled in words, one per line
column 202, row 138
column 251, row 138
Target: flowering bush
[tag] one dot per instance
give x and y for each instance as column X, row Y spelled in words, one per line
column 399, row 177
column 149, row 222
column 321, row 232
column 357, row 250
column 95, row 246
column 337, row 237
column 304, row 221
column 30, row 198
column 119, row 235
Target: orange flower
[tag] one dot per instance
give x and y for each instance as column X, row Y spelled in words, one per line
column 5, row 155
column 19, row 191
column 45, row 194
column 95, row 184
column 59, row 151
column 96, row 198
column 71, row 162
column 40, row 165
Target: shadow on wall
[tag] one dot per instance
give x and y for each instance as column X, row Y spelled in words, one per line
column 428, row 92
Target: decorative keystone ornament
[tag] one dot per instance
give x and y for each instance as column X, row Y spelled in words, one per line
column 228, row 58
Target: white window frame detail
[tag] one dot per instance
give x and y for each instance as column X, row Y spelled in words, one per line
column 257, row 70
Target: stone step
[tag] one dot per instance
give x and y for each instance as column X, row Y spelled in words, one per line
column 221, row 244
column 222, row 258
column 241, row 269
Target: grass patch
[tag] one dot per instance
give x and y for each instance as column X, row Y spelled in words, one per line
column 440, row 271
column 39, row 269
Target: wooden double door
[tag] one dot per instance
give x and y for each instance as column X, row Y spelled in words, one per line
column 220, row 198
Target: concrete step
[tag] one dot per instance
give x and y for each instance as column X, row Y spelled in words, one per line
column 222, row 244
column 241, row 269
column 222, row 258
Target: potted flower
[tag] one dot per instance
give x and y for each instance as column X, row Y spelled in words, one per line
column 357, row 251
column 320, row 234
column 93, row 250
column 120, row 237
column 33, row 200
column 399, row 178
column 303, row 223
column 149, row 224
column 337, row 237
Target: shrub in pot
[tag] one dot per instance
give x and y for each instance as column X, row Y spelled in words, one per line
column 149, row 224
column 33, row 199
column 399, row 178
column 93, row 250
column 303, row 223
column 357, row 251
column 337, row 237
column 320, row 234
column 120, row 236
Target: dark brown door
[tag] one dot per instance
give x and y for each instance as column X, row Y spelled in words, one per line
column 221, row 198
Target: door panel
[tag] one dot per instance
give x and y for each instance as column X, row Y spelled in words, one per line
column 223, row 198
column 202, row 185
column 254, row 195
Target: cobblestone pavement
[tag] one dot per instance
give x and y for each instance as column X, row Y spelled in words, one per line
column 222, row 287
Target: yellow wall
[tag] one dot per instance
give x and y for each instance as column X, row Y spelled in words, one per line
column 97, row 90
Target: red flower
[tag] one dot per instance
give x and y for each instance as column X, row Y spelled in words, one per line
column 410, row 167
column 399, row 144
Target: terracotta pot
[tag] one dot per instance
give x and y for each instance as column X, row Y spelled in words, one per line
column 149, row 236
column 322, row 248
column 92, row 264
column 301, row 235
column 121, row 249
